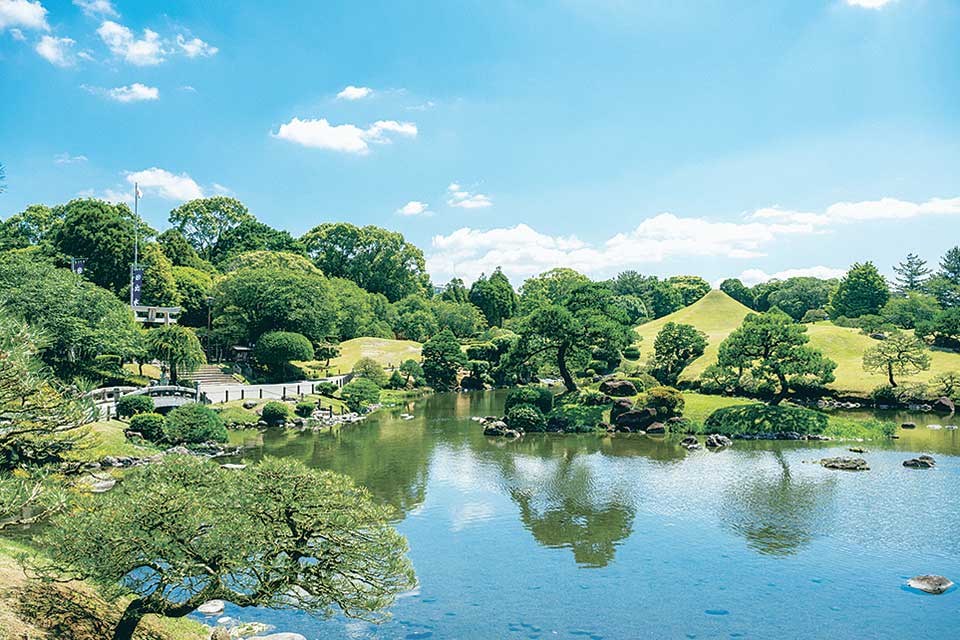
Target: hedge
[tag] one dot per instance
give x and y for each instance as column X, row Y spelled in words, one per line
column 275, row 412
column 525, row 418
column 755, row 419
column 540, row 397
column 132, row 405
column 149, row 425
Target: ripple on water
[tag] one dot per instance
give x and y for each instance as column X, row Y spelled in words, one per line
column 717, row 612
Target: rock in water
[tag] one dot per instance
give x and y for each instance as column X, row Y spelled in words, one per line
column 944, row 405
column 909, row 425
column 846, row 464
column 657, row 428
column 931, row 584
column 716, row 440
column 211, row 608
column 922, row 462
column 636, row 419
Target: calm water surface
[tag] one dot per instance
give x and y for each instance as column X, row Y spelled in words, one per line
column 589, row 537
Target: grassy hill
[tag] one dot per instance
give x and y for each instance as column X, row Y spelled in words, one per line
column 386, row 352
column 717, row 315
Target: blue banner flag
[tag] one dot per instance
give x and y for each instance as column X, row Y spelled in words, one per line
column 77, row 265
column 137, row 285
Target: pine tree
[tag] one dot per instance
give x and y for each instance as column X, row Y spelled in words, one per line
column 950, row 266
column 911, row 274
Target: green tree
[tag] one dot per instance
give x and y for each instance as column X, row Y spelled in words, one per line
column 181, row 253
column 413, row 373
column 177, row 534
column 205, row 220
column 912, row 273
column 734, row 288
column 676, row 346
column 455, row 291
column 30, row 227
column 495, row 297
column 634, row 307
column 360, row 313
column 378, row 260
column 862, row 291
column 276, row 349
column 944, row 329
column 251, row 301
column 550, row 287
column 796, row 296
column 690, row 288
column 103, row 234
column 442, row 360
column 177, row 347
column 565, row 335
column 462, row 318
column 950, row 266
column 360, row 393
column 909, row 310
column 901, row 354
column 773, row 348
column 195, row 288
column 415, row 319
column 252, row 235
column 371, row 370
column 159, row 284
column 194, row 423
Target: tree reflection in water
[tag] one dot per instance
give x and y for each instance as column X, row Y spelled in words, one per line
column 778, row 514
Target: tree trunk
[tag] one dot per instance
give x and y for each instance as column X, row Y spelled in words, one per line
column 173, row 374
column 564, row 371
column 782, row 393
column 129, row 620
column 893, row 382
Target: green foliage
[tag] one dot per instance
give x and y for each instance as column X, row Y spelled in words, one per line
column 371, row 370
column 658, row 296
column 690, row 288
column 734, row 288
column 946, row 383
column 667, row 401
column 462, row 318
column 814, row 315
column 359, row 394
column 263, row 537
column 526, row 418
column 152, row 426
column 177, row 347
column 885, row 394
column 238, row 417
column 862, row 291
column 275, row 412
column 675, row 346
column 442, row 360
column 944, row 329
column 132, row 405
column 396, row 381
column 797, row 296
column 575, row 418
column 159, row 285
column 912, row 273
column 205, row 220
column 30, row 227
column 251, row 301
column 415, row 319
column 276, row 349
column 908, row 311
column 326, row 389
column 305, row 408
column 550, row 287
column 455, row 291
column 252, row 235
column 180, row 252
column 540, row 397
column 194, row 288
column 495, row 297
column 483, row 351
column 755, row 419
column 773, row 349
column 632, row 352
column 378, row 260
column 194, row 423
column 360, row 313
column 900, row 354
column 413, row 372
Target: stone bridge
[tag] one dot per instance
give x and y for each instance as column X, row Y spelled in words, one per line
column 164, row 396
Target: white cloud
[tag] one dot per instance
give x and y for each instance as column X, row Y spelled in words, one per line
column 320, row 134
column 847, row 212
column 415, row 208
column 57, row 51
column 869, row 4
column 751, row 277
column 121, row 42
column 66, row 158
column 117, row 195
column 196, row 47
column 97, row 8
column 23, row 13
column 135, row 92
column 221, row 190
column 354, row 93
column 166, row 185
column 188, row 88
column 458, row 197
column 17, row 35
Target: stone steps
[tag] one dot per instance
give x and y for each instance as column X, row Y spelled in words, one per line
column 211, row 374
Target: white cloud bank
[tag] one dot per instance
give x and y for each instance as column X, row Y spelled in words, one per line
column 135, row 92
column 354, row 93
column 97, row 8
column 523, row 252
column 458, row 197
column 415, row 208
column 165, row 184
column 751, row 277
column 23, row 13
column 320, row 134
column 121, row 41
column 869, row 4
column 196, row 47
column 57, row 51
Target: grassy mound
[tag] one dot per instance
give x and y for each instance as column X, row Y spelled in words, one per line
column 718, row 315
column 386, row 352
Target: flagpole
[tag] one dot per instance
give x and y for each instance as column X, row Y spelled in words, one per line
column 136, row 238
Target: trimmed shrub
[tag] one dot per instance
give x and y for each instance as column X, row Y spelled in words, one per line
column 275, row 350
column 593, row 399
column 632, row 352
column 132, row 405
column 526, row 418
column 371, row 370
column 575, row 418
column 149, row 425
column 754, row 419
column 275, row 412
column 667, row 401
column 396, row 381
column 540, row 397
column 305, row 408
column 194, row 423
column 360, row 393
column 884, row 394
column 326, row 389
column 814, row 315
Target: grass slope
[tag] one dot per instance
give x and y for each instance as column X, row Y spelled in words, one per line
column 386, row 352
column 717, row 315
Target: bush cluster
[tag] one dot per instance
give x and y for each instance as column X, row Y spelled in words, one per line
column 753, row 419
column 194, row 423
column 275, row 412
column 149, row 425
column 305, row 408
column 575, row 418
column 539, row 397
column 360, row 393
column 667, row 401
column 526, row 418
column 132, row 405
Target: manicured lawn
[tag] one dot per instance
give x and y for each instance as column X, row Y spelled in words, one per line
column 106, row 439
column 386, row 352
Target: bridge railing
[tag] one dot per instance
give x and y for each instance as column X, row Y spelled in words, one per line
column 166, row 391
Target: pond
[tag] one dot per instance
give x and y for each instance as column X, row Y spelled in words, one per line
column 589, row 537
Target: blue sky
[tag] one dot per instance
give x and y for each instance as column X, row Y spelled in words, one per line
column 712, row 137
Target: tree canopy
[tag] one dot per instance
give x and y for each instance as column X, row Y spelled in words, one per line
column 204, row 221
column 495, row 297
column 177, row 347
column 900, row 354
column 442, row 360
column 861, row 292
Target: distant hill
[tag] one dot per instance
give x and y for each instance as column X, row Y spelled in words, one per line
column 717, row 315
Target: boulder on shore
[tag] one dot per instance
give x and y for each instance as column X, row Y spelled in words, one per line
column 619, row 408
column 690, row 443
column 497, row 428
column 636, row 419
column 618, row 388
column 930, row 584
column 920, row 462
column 657, row 428
column 944, row 405
column 845, row 464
